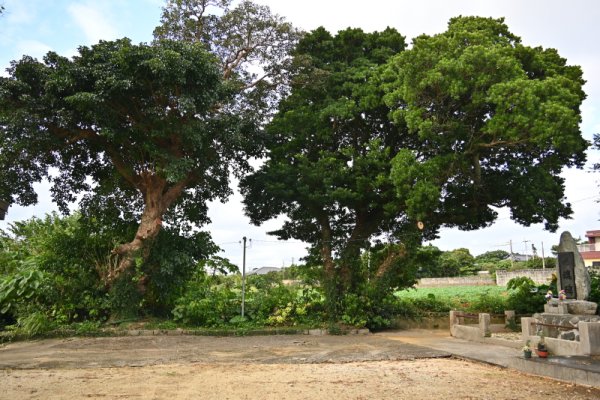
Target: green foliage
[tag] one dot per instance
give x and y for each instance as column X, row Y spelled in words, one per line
column 216, row 302
column 466, row 298
column 372, row 312
column 23, row 286
column 489, row 302
column 456, row 262
column 595, row 287
column 492, row 260
column 428, row 261
column 86, row 328
column 57, row 266
column 495, row 122
column 525, row 296
column 146, row 132
column 212, row 307
column 173, row 260
column 329, row 162
column 434, row 263
column 34, row 324
column 492, row 256
column 245, row 39
column 68, row 253
column 536, row 263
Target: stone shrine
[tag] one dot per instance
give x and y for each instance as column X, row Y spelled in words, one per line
column 574, row 279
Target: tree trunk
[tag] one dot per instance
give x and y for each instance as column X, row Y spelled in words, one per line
column 148, row 229
column 330, row 282
column 158, row 197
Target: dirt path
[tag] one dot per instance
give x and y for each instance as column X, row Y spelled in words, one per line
column 267, row 367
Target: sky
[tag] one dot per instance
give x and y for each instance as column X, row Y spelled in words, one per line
column 34, row 27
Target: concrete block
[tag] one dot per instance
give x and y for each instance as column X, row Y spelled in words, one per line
column 527, row 328
column 560, row 347
column 467, row 333
column 484, row 325
column 453, row 321
column 589, row 338
column 510, row 315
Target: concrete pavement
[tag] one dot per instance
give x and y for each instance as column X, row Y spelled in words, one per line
column 575, row 369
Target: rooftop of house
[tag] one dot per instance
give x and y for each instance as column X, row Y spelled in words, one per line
column 592, row 234
column 263, row 270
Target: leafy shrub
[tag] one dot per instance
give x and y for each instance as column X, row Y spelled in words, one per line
column 431, row 304
column 86, row 328
column 207, row 306
column 34, row 324
column 21, row 286
column 489, row 303
column 525, row 296
column 595, row 287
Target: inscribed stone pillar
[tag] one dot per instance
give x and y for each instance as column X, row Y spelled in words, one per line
column 568, row 253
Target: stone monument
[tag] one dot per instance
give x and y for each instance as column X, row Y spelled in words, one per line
column 573, row 276
column 574, row 279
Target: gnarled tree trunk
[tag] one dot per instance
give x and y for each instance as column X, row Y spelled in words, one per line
column 158, row 197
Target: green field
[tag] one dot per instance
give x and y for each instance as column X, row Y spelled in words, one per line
column 469, row 298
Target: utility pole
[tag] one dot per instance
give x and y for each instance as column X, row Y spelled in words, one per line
column 512, row 259
column 244, row 276
column 543, row 257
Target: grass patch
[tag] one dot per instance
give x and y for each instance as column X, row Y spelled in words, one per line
column 468, row 298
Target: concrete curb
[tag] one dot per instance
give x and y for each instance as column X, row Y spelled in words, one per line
column 556, row 368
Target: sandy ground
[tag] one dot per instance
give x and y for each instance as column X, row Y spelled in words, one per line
column 268, row 367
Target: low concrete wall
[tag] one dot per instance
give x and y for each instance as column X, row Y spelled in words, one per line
column 481, row 332
column 539, row 276
column 457, row 281
column 474, row 333
column 588, row 344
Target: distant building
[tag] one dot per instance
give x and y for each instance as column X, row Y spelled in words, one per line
column 520, row 257
column 263, row 270
column 590, row 251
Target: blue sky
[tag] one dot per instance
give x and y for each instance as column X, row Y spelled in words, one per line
column 34, row 27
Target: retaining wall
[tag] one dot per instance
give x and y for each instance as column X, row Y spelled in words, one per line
column 539, row 276
column 457, row 281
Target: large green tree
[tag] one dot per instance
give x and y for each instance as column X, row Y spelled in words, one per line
column 497, row 121
column 143, row 131
column 148, row 132
column 472, row 120
column 330, row 148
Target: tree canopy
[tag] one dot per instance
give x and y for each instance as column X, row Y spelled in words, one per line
column 146, row 132
column 496, row 122
column 471, row 120
column 139, row 129
column 252, row 45
column 330, row 148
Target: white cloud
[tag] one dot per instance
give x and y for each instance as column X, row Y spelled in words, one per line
column 93, row 21
column 32, row 48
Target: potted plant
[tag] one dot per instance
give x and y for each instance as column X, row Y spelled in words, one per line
column 542, row 350
column 527, row 349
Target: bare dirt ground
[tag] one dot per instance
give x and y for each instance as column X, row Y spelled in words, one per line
column 265, row 367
